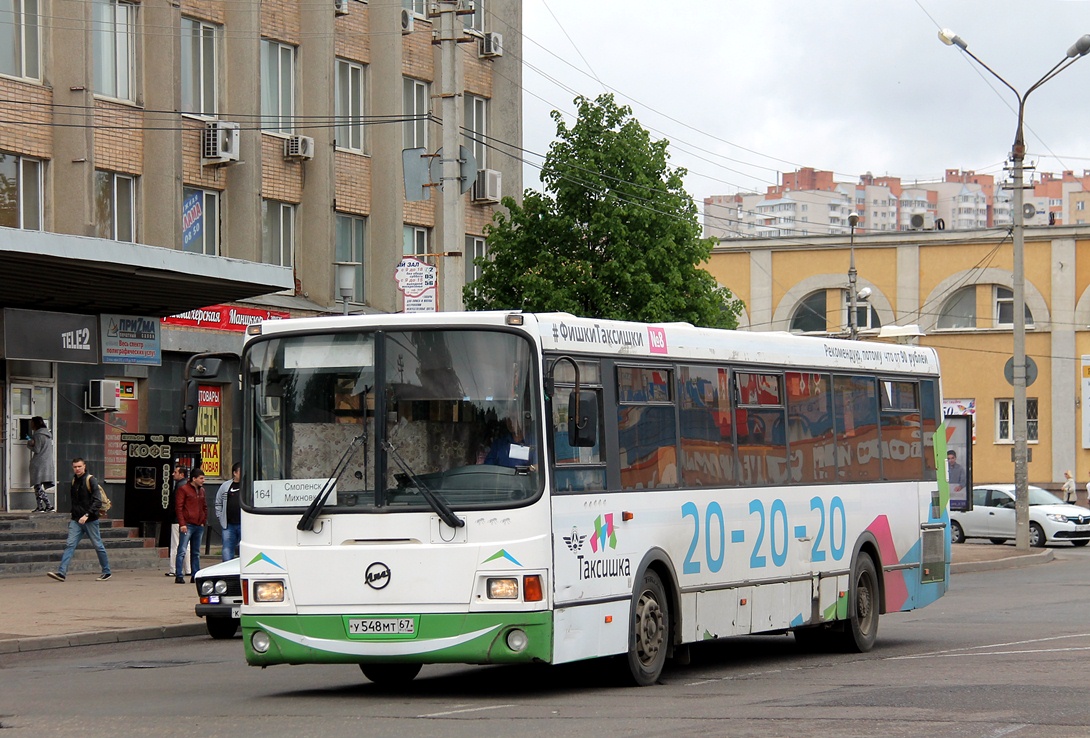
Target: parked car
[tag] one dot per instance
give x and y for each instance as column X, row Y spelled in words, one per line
column 219, row 588
column 1050, row 519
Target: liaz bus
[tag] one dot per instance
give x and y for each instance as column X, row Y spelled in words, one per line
column 504, row 488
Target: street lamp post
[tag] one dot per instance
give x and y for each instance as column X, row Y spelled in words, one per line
column 853, row 293
column 346, row 281
column 1018, row 237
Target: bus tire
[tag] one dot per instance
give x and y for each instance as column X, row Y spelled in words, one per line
column 390, row 675
column 649, row 638
column 861, row 629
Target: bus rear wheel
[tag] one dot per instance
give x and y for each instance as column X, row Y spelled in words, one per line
column 649, row 639
column 390, row 675
column 861, row 630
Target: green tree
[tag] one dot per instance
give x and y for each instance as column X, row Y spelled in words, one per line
column 614, row 235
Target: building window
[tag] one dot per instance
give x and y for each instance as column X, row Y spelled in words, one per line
column 475, row 21
column 349, row 106
column 20, row 35
column 419, row 7
column 476, row 127
column 114, row 44
column 475, row 248
column 1080, row 205
column 201, row 221
column 416, row 99
column 866, row 316
column 115, row 206
column 810, row 314
column 351, row 231
column 20, row 192
column 1004, row 308
column 277, row 232
column 200, row 55
column 277, row 86
column 960, row 310
column 416, row 241
column 1004, row 420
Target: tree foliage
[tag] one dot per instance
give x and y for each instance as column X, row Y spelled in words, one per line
column 614, row 235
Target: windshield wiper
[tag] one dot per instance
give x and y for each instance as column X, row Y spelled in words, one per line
column 306, row 522
column 437, row 504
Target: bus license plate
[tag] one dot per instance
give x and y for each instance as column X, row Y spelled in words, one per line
column 382, row 626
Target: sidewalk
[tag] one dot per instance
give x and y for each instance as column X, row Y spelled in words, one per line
column 141, row 604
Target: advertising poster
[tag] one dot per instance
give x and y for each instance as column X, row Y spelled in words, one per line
column 130, row 339
column 208, row 424
column 418, row 283
column 125, row 420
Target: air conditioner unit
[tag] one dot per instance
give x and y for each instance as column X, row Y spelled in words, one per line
column 299, row 147
column 491, row 45
column 406, row 20
column 219, row 143
column 340, row 7
column 488, row 187
column 103, row 394
column 922, row 221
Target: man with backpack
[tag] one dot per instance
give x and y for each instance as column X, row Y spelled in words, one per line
column 88, row 501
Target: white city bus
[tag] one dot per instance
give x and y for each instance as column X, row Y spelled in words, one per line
column 503, row 487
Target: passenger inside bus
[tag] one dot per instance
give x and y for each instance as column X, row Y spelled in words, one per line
column 511, row 447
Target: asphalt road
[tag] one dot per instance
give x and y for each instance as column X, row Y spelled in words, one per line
column 1006, row 653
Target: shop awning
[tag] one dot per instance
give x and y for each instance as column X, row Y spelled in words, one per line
column 80, row 274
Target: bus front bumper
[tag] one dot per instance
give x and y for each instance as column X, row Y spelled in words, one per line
column 462, row 638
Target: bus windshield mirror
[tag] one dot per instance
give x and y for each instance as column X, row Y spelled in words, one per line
column 434, row 501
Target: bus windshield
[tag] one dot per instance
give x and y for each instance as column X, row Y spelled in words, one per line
column 458, row 415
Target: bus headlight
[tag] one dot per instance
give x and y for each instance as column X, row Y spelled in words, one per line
column 503, row 589
column 260, row 641
column 269, row 591
column 517, row 640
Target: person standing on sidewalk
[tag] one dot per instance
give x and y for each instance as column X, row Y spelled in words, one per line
column 229, row 512
column 43, row 472
column 180, row 476
column 192, row 510
column 86, row 504
column 1069, row 489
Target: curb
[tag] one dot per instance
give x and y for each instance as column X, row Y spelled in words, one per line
column 1009, row 562
column 92, row 638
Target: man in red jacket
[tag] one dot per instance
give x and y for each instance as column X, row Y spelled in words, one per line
column 191, row 507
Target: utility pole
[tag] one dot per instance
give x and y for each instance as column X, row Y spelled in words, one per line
column 452, row 268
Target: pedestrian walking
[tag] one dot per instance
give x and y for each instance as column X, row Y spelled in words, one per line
column 1070, row 496
column 179, row 477
column 86, row 504
column 43, row 470
column 229, row 512
column 192, row 509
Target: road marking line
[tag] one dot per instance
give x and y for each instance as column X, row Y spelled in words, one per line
column 955, row 651
column 468, row 709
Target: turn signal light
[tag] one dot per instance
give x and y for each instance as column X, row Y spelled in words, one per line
column 531, row 588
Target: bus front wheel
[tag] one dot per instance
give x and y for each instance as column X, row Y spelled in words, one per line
column 390, row 675
column 861, row 629
column 649, row 639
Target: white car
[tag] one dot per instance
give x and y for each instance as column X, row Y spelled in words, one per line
column 219, row 589
column 1050, row 519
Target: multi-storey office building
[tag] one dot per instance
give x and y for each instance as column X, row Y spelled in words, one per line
column 957, row 288
column 160, row 157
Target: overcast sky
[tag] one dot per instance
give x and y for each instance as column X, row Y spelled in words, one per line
column 744, row 89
